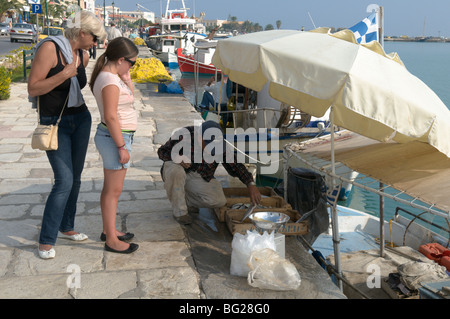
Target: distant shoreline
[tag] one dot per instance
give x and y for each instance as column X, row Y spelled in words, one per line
column 416, row 39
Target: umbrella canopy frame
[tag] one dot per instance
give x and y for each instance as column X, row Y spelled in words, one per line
column 372, row 92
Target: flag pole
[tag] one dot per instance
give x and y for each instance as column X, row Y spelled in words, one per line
column 380, row 21
column 381, row 26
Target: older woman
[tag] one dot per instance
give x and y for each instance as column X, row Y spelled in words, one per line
column 57, row 76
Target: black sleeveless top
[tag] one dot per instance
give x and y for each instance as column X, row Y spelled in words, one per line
column 51, row 103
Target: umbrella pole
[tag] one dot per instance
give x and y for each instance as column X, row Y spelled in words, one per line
column 285, row 173
column 334, row 217
column 381, row 222
column 195, row 79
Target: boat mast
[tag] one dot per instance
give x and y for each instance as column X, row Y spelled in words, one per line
column 182, row 10
column 167, row 9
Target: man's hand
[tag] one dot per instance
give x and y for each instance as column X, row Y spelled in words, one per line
column 255, row 195
column 183, row 160
column 185, row 165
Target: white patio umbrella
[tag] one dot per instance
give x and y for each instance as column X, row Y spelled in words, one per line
column 372, row 93
column 369, row 92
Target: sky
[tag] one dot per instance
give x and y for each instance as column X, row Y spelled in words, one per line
column 401, row 17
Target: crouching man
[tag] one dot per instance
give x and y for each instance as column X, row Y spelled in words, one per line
column 191, row 157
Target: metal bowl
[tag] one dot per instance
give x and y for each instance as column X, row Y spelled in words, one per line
column 269, row 220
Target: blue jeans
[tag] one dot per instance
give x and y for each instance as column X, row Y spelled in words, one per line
column 67, row 164
column 208, row 100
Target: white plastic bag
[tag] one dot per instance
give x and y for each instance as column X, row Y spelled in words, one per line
column 270, row 271
column 242, row 247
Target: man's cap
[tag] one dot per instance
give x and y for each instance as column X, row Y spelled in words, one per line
column 210, row 125
column 214, row 136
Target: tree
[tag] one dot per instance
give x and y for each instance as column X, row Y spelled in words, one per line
column 56, row 11
column 278, row 22
column 10, row 5
column 257, row 27
column 269, row 27
column 231, row 24
column 247, row 27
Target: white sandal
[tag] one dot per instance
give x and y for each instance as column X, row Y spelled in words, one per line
column 47, row 254
column 76, row 237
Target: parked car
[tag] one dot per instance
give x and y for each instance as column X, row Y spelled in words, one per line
column 23, row 31
column 4, row 28
column 53, row 31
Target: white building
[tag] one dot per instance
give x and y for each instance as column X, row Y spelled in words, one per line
column 147, row 15
column 213, row 23
column 89, row 5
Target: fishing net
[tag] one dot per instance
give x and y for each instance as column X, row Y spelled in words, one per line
column 149, row 70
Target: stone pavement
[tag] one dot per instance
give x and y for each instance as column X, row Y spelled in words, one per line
column 161, row 268
column 173, row 261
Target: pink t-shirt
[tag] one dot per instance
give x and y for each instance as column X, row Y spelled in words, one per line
column 126, row 112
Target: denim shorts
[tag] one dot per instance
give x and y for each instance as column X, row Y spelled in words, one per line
column 108, row 148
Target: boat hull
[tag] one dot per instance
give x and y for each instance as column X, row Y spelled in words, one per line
column 187, row 64
column 167, row 58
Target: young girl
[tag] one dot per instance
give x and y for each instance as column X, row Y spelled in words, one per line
column 113, row 90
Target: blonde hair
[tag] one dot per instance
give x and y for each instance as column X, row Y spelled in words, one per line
column 87, row 22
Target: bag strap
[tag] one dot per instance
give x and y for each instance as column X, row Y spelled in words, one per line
column 59, row 119
column 65, row 103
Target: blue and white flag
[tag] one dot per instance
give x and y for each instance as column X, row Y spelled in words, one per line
column 366, row 30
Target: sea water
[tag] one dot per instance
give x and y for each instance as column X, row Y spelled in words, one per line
column 428, row 61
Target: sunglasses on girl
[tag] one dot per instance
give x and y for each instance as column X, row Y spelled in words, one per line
column 131, row 62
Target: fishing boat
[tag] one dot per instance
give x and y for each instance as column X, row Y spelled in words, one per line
column 200, row 61
column 177, row 30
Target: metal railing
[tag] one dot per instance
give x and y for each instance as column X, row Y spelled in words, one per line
column 28, row 55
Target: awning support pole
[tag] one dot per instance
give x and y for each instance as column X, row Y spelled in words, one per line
column 285, row 173
column 334, row 217
column 381, row 221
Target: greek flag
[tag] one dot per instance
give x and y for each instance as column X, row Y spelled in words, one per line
column 333, row 194
column 366, row 30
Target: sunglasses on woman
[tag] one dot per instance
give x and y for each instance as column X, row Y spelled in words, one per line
column 94, row 37
column 131, row 62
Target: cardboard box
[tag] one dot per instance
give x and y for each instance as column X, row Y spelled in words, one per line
column 268, row 202
column 393, row 293
column 243, row 191
column 234, row 216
